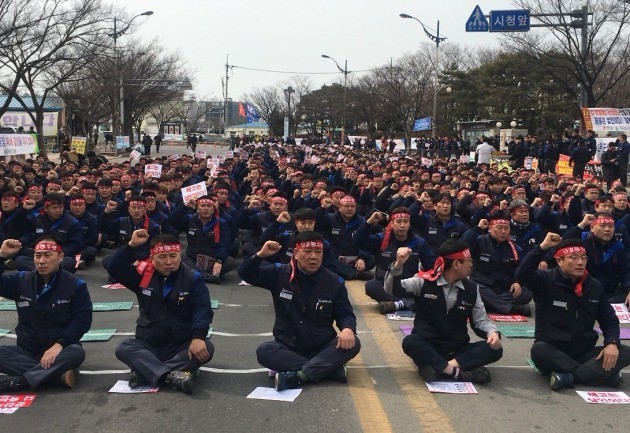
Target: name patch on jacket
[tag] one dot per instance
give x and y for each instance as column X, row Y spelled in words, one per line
column 286, row 294
column 430, row 296
column 560, row 304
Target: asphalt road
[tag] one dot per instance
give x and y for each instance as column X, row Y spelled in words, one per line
column 384, row 392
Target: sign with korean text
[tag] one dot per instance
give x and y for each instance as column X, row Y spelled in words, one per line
column 153, row 170
column 622, row 312
column 509, row 21
column 122, row 142
column 604, row 397
column 193, row 192
column 16, row 119
column 16, row 401
column 606, row 119
column 135, row 154
column 201, row 154
column 563, row 167
column 79, row 143
column 16, row 144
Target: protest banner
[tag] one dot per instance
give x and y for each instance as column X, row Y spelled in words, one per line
column 135, row 154
column 79, row 144
column 16, row 144
column 201, row 154
column 153, row 170
column 562, row 167
column 193, row 192
column 122, row 143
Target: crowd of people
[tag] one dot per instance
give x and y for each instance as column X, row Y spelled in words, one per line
column 450, row 240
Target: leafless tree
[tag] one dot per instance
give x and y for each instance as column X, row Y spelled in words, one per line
column 268, row 101
column 558, row 49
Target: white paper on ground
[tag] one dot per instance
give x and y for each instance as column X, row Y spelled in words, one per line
column 263, row 393
column 9, row 409
column 604, row 397
column 622, row 312
column 122, row 387
column 452, row 387
column 244, row 283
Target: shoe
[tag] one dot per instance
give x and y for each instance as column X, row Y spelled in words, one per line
column 68, row 379
column 136, row 379
column 558, row 381
column 387, row 307
column 478, row 375
column 215, row 279
column 286, row 380
column 364, row 276
column 615, row 380
column 81, row 264
column 12, row 383
column 427, row 373
column 523, row 310
column 338, row 375
column 181, row 380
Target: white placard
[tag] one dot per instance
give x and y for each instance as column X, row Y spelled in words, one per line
column 174, row 157
column 426, row 162
column 622, row 312
column 153, row 170
column 452, row 387
column 8, row 410
column 604, row 397
column 135, row 154
column 201, row 154
column 194, row 191
column 393, row 158
column 315, row 159
column 122, row 387
column 529, row 161
column 16, row 144
column 263, row 393
column 229, row 154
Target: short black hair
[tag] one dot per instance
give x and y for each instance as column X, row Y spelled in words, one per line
column 309, row 236
column 304, row 213
column 164, row 239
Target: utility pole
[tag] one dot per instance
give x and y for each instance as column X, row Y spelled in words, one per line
column 225, row 101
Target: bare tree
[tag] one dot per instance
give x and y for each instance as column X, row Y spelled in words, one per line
column 190, row 112
column 558, row 49
column 268, row 101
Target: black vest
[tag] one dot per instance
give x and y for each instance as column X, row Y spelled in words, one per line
column 434, row 322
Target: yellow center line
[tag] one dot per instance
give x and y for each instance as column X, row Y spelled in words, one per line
column 430, row 414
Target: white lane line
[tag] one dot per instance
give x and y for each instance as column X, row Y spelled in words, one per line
column 243, row 305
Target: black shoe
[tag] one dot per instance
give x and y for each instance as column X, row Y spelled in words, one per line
column 136, row 379
column 615, row 380
column 558, row 381
column 478, row 375
column 12, row 383
column 427, row 373
column 181, row 380
column 215, row 279
column 287, row 379
column 523, row 310
column 338, row 375
column 387, row 307
column 364, row 276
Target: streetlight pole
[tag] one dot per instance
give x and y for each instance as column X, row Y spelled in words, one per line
column 437, row 39
column 118, row 33
column 288, row 92
column 345, row 73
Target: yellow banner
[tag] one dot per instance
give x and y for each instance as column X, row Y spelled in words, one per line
column 563, row 166
column 79, row 143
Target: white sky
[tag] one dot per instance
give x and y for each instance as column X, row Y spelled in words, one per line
column 291, row 35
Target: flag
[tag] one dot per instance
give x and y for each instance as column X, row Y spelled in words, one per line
column 252, row 114
column 241, row 109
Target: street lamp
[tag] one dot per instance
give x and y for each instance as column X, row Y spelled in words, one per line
column 345, row 73
column 437, row 39
column 118, row 33
column 499, row 125
column 288, row 92
column 513, row 124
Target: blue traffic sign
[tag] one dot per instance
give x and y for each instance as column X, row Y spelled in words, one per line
column 477, row 21
column 509, row 21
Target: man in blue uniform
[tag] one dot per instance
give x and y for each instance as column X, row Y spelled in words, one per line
column 307, row 298
column 54, row 311
column 175, row 314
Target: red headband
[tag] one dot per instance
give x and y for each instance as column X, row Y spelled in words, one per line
column 569, row 250
column 165, row 248
column 338, row 194
column 48, row 246
column 603, row 220
column 205, row 201
column 460, row 255
column 399, row 215
column 137, row 203
column 318, row 245
column 481, row 195
column 77, row 200
column 320, row 184
column 348, row 199
column 279, row 200
column 591, row 188
column 34, row 187
column 11, row 198
column 221, row 190
column 499, row 221
column 621, row 193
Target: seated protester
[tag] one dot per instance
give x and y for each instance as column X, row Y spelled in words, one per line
column 568, row 302
column 582, row 202
column 119, row 229
column 209, row 239
column 88, row 191
column 228, row 212
column 53, row 185
column 439, row 226
column 252, row 217
column 608, row 259
column 156, row 216
column 13, row 224
column 523, row 232
column 384, row 246
column 54, row 312
column 35, row 192
column 339, row 228
column 445, row 300
column 307, row 298
column 551, row 214
column 496, row 257
column 53, row 221
column 91, row 236
column 469, row 204
column 620, row 205
column 175, row 314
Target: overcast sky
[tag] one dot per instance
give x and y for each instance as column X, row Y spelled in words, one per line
column 291, row 35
